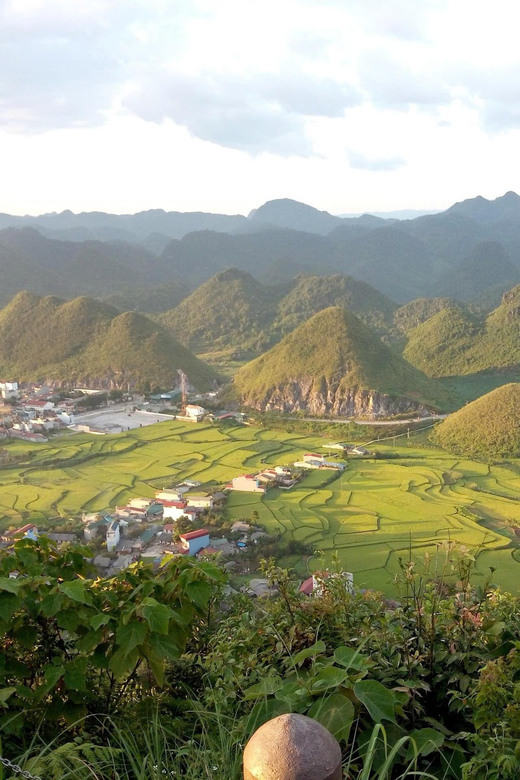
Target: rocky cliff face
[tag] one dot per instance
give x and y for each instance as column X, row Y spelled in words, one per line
column 298, row 395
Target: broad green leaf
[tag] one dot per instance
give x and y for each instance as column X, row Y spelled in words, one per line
column 266, row 687
column 378, row 700
column 335, row 712
column 292, row 692
column 309, row 652
column 69, row 619
column 51, row 604
column 349, row 658
column 156, row 664
column 198, row 592
column 27, row 636
column 328, row 678
column 495, row 629
column 158, row 617
column 210, row 570
column 122, row 662
column 263, row 711
column 131, row 635
column 99, row 620
column 5, row 693
column 426, row 741
column 89, row 641
column 75, row 590
column 10, row 585
column 165, row 646
column 8, row 606
column 75, row 680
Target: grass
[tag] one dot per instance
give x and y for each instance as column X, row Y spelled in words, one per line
column 375, row 512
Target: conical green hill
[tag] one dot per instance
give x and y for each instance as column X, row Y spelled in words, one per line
column 486, row 428
column 231, row 310
column 86, row 341
column 333, row 356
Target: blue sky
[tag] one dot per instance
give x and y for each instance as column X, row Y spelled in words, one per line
column 124, row 105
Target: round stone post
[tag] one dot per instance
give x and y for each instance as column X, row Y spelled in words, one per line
column 292, row 747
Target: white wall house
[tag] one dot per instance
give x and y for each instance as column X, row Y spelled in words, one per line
column 9, row 390
column 113, row 535
column 195, row 412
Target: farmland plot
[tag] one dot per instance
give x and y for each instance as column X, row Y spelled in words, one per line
column 370, row 516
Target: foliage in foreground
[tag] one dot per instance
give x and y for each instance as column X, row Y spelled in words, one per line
column 140, row 677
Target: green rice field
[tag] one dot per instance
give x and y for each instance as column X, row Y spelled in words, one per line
column 370, row 515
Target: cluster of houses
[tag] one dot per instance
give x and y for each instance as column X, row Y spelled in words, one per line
column 29, row 414
column 313, row 460
column 278, row 476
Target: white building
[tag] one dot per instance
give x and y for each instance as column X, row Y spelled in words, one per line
column 113, row 535
column 195, row 412
column 170, row 494
column 140, row 503
column 199, row 502
column 9, row 390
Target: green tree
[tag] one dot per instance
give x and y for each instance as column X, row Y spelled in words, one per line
column 73, row 643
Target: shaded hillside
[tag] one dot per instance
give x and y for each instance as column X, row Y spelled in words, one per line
column 334, row 364
column 28, row 260
column 486, row 428
column 230, row 310
column 389, row 259
column 429, row 255
column 442, row 345
column 152, row 300
column 486, row 268
column 199, row 256
column 455, row 342
column 412, row 314
column 311, row 294
column 89, row 342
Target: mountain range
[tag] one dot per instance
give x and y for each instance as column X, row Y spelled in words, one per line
column 90, row 343
column 471, row 251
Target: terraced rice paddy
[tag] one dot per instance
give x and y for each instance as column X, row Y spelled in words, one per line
column 372, row 514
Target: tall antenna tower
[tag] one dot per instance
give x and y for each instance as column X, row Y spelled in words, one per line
column 184, row 389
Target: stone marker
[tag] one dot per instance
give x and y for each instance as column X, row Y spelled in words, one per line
column 292, row 747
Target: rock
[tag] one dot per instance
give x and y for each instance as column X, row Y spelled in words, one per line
column 292, row 747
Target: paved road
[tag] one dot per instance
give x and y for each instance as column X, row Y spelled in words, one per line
column 346, row 420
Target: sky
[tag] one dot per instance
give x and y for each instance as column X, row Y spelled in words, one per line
column 220, row 105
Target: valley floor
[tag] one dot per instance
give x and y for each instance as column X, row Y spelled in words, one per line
column 372, row 514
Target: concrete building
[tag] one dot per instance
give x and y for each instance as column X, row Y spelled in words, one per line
column 29, row 531
column 194, row 541
column 248, row 483
column 200, row 502
column 170, row 494
column 311, row 456
column 172, row 510
column 140, row 503
column 62, row 538
column 9, row 390
column 113, row 535
column 194, row 412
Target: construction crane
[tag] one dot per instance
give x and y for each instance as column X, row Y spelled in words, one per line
column 184, row 389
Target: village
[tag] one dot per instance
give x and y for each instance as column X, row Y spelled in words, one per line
column 32, row 412
column 174, row 523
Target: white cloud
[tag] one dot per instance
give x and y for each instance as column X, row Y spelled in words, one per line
column 351, row 106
